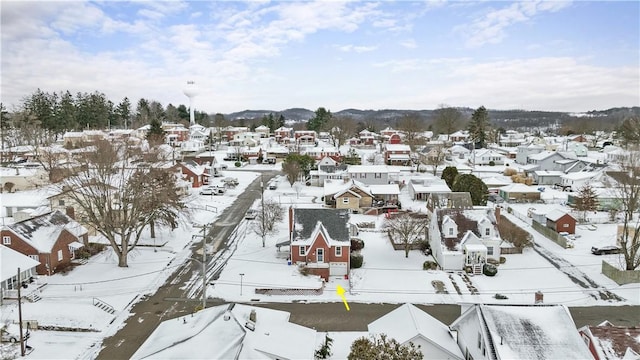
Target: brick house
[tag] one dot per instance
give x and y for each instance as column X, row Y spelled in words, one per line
column 397, row 154
column 305, row 137
column 561, row 221
column 350, row 195
column 283, row 133
column 51, row 239
column 194, row 173
column 320, row 240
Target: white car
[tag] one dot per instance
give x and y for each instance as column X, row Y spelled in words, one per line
column 251, row 214
column 11, row 333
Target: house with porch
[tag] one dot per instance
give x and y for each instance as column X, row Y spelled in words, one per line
column 320, row 240
column 282, row 134
column 10, row 262
column 463, row 238
column 397, row 154
column 52, row 239
column 373, row 174
column 420, row 188
column 350, row 194
column 194, row 173
column 305, row 137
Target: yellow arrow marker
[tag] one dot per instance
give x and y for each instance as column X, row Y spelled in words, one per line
column 340, row 292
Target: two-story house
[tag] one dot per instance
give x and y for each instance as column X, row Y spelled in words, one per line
column 372, row 174
column 52, row 239
column 282, row 134
column 305, row 137
column 397, row 154
column 320, row 240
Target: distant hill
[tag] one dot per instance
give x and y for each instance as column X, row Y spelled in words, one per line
column 389, row 117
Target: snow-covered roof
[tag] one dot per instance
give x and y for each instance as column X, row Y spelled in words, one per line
column 390, row 189
column 43, row 231
column 519, row 188
column 11, row 260
column 531, row 332
column 408, row 322
column 397, row 147
column 335, row 221
column 556, row 214
column 370, row 169
column 542, row 155
column 548, row 172
column 580, row 175
column 220, row 333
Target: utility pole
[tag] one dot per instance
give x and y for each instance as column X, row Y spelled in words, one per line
column 204, row 265
column 262, row 205
column 20, row 314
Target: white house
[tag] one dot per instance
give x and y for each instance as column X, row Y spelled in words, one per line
column 408, row 324
column 373, row 174
column 576, row 180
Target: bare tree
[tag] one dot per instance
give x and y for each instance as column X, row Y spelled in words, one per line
column 586, row 200
column 119, row 200
column 629, row 194
column 412, row 127
column 270, row 214
column 435, row 157
column 447, row 120
column 340, row 129
column 407, row 229
column 292, row 171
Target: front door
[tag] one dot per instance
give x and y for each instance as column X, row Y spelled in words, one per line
column 320, row 252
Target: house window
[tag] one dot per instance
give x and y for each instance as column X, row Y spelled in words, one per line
column 345, row 200
column 363, row 175
column 6, row 240
column 60, row 202
column 35, row 257
column 338, row 250
column 320, row 255
column 487, row 231
column 302, row 250
column 378, row 175
column 60, row 257
column 450, row 231
column 489, row 250
column 479, row 340
column 565, row 225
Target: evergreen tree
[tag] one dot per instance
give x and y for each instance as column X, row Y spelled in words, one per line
column 479, row 127
column 474, row 186
column 155, row 135
column 449, row 175
column 320, row 120
column 123, row 113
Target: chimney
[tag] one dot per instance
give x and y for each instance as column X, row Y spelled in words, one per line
column 497, row 215
column 71, row 212
column 290, row 222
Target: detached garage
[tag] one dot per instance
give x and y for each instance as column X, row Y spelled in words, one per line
column 561, row 221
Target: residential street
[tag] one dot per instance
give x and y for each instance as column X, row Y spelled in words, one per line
column 149, row 312
column 178, row 296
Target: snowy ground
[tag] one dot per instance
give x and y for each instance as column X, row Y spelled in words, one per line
column 386, row 276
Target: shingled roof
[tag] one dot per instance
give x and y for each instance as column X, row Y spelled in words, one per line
column 335, row 221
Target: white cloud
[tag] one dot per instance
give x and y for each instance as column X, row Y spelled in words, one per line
column 356, row 49
column 491, row 27
column 409, row 44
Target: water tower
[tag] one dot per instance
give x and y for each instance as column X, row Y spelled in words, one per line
column 191, row 91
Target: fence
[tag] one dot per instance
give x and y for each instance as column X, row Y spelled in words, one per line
column 621, row 277
column 550, row 234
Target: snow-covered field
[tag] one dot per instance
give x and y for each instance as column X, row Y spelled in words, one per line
column 386, row 276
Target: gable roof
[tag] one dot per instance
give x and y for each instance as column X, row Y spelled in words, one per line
column 220, row 333
column 11, row 260
column 334, row 221
column 528, row 332
column 556, row 214
column 519, row 188
column 613, row 342
column 407, row 321
column 43, row 231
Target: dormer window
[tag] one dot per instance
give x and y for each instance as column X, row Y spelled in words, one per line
column 487, row 231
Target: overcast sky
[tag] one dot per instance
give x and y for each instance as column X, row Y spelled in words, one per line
column 562, row 56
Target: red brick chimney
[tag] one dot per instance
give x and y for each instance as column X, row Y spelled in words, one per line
column 70, row 211
column 290, row 222
column 497, row 215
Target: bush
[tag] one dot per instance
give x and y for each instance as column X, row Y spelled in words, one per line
column 489, row 270
column 492, row 261
column 492, row 163
column 429, row 265
column 237, row 164
column 503, row 259
column 305, row 271
column 509, row 172
column 357, row 244
column 356, row 260
column 500, row 297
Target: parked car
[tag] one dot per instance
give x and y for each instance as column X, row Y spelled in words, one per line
column 605, row 250
column 273, row 186
column 11, row 333
column 212, row 190
column 251, row 214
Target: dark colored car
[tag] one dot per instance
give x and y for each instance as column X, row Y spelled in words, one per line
column 605, row 250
